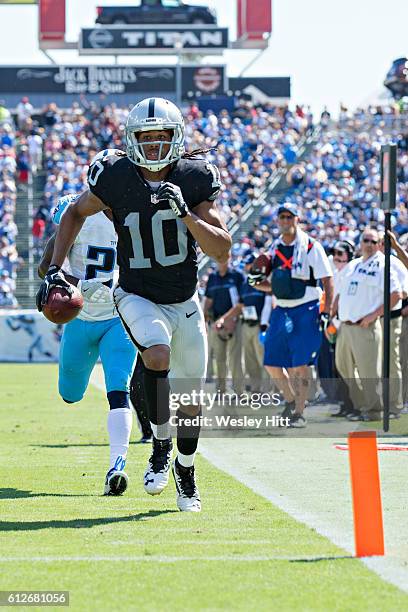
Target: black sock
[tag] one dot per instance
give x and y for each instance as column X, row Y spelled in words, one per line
column 118, row 399
column 187, row 435
column 157, row 395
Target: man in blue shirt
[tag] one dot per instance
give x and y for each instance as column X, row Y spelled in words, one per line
column 221, row 295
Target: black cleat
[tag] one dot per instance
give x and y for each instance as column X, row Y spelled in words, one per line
column 297, row 420
column 288, row 410
column 188, row 496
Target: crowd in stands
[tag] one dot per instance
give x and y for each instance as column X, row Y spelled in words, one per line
column 251, row 144
column 8, row 229
column 336, row 186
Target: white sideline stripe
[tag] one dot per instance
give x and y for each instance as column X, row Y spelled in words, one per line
column 199, row 543
column 388, row 568
column 161, row 558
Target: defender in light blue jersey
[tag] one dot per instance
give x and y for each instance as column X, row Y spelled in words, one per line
column 97, row 332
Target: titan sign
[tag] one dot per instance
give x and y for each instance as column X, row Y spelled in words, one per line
column 118, row 40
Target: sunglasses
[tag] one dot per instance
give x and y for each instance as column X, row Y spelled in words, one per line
column 369, row 241
column 339, row 253
column 287, row 217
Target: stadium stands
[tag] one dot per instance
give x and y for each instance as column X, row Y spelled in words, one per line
column 8, row 229
column 250, row 145
column 336, row 184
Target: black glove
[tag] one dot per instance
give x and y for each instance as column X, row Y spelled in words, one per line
column 53, row 278
column 172, row 193
column 324, row 321
column 263, row 327
column 256, row 277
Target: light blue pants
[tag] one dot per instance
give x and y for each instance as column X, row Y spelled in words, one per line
column 81, row 345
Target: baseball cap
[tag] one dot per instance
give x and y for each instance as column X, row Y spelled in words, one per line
column 345, row 247
column 288, row 207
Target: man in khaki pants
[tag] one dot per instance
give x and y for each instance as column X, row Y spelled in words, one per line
column 359, row 304
column 402, row 255
column 254, row 308
column 401, row 272
column 221, row 295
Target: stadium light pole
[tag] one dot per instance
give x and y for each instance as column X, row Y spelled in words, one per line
column 388, row 199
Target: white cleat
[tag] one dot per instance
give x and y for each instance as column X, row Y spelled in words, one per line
column 116, row 482
column 188, row 496
column 156, row 477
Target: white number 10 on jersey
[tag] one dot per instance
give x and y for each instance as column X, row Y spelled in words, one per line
column 132, row 221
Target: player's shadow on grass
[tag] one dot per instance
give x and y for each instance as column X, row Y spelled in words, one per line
column 9, row 493
column 67, row 445
column 80, row 444
column 80, row 523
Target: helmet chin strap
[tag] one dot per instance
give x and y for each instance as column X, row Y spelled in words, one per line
column 155, row 168
column 151, row 167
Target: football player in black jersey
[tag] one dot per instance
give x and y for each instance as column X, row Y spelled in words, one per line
column 163, row 204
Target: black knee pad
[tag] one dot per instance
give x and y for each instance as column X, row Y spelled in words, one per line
column 138, row 397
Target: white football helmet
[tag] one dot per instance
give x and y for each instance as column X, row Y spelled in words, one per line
column 154, row 114
column 106, row 153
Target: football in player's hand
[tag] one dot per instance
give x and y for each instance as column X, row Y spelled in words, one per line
column 61, row 307
column 262, row 264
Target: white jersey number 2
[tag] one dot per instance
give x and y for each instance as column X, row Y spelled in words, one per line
column 138, row 260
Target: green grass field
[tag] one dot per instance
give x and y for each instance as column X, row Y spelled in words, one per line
column 57, row 532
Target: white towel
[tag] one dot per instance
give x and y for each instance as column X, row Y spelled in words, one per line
column 300, row 264
column 234, row 295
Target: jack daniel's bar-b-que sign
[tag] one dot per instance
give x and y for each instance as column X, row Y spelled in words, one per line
column 111, row 80
column 86, row 79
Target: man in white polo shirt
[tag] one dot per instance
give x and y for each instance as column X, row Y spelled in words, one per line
column 360, row 305
column 395, row 335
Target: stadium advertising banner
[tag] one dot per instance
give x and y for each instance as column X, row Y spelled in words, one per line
column 27, row 336
column 207, row 80
column 270, row 87
column 111, row 79
column 86, row 79
column 119, row 40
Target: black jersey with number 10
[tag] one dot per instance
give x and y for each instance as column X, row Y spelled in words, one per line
column 157, row 254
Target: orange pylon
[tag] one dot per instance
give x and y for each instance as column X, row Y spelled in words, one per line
column 366, row 492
